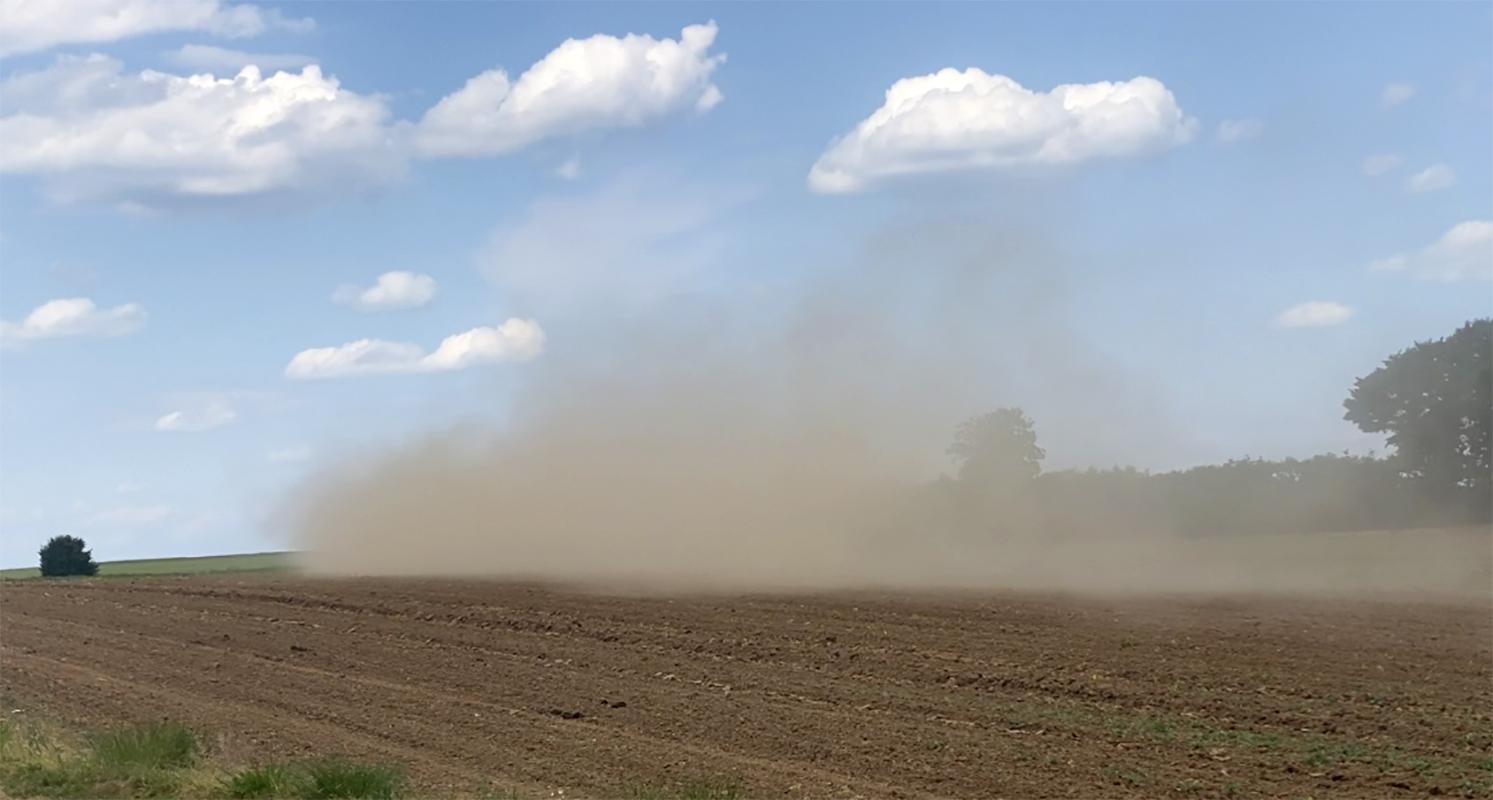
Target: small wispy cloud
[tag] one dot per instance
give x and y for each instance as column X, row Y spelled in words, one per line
column 390, row 291
column 571, row 169
column 1232, row 131
column 1396, row 93
column 205, row 416
column 1380, row 163
column 73, row 316
column 1464, row 251
column 294, row 454
column 514, row 340
column 1313, row 314
column 1433, row 178
column 31, row 27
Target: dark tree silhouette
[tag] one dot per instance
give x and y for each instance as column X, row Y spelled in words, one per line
column 66, row 555
column 997, row 448
column 1435, row 400
column 999, row 461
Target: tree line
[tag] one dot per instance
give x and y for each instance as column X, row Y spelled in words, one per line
column 1434, row 400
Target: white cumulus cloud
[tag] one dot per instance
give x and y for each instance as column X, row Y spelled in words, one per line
column 392, row 290
column 584, row 84
column 1396, row 93
column 91, row 131
column 32, row 25
column 1232, row 131
column 1431, row 179
column 1380, row 163
column 73, row 316
column 214, row 59
column 952, row 120
column 94, row 131
column 514, row 340
column 1465, row 251
column 1313, row 314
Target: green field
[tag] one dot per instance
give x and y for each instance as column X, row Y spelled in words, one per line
column 244, row 562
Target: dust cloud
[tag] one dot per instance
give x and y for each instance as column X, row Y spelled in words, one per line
column 794, row 439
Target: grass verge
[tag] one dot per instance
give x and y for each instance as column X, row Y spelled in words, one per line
column 316, row 780
column 164, row 760
column 158, row 760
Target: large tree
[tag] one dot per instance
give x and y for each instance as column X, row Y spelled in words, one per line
column 998, row 461
column 1435, row 400
column 997, row 448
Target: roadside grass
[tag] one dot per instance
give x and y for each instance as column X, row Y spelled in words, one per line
column 335, row 778
column 158, row 760
column 328, row 779
column 164, row 745
column 194, row 565
column 273, row 780
column 164, row 760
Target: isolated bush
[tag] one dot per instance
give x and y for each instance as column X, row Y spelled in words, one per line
column 66, row 555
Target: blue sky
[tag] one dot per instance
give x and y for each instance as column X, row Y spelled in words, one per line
column 1298, row 191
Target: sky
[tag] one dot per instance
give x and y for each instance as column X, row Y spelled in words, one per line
column 242, row 242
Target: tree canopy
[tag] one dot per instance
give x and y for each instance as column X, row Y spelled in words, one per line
column 997, row 448
column 66, row 555
column 1435, row 400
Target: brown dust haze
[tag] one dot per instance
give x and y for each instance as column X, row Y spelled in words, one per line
column 787, row 441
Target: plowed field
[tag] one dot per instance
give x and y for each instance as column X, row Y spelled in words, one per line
column 473, row 685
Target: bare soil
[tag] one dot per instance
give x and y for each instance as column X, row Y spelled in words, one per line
column 474, row 686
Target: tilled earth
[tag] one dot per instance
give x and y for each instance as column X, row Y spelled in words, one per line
column 476, row 687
